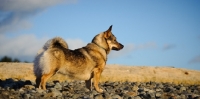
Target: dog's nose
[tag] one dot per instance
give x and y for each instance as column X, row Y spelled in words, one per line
column 122, row 46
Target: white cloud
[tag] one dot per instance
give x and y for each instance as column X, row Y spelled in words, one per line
column 168, row 46
column 147, row 45
column 25, row 47
column 196, row 59
column 16, row 12
column 75, row 43
column 27, row 5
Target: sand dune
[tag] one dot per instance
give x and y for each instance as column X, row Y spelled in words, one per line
column 112, row 73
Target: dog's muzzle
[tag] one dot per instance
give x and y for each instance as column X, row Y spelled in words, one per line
column 119, row 47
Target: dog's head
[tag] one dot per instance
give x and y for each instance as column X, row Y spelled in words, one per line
column 112, row 40
column 107, row 41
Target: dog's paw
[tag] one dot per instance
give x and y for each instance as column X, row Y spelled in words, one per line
column 100, row 90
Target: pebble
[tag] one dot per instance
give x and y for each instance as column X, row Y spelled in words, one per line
column 99, row 96
column 158, row 95
column 58, row 86
column 116, row 97
column 25, row 89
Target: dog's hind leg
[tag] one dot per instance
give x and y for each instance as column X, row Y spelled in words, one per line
column 88, row 82
column 38, row 81
column 44, row 79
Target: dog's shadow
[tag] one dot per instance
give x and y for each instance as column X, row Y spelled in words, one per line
column 14, row 83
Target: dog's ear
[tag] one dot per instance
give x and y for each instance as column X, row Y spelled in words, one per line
column 108, row 33
column 110, row 29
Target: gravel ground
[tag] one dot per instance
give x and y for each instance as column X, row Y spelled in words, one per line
column 25, row 89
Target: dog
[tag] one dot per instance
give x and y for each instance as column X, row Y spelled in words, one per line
column 85, row 63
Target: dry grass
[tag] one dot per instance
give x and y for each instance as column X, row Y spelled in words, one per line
column 112, row 73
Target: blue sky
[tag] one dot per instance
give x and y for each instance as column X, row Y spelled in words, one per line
column 154, row 32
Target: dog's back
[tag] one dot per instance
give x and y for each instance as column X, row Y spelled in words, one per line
column 55, row 55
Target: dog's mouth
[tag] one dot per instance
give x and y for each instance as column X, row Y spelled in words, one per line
column 118, row 48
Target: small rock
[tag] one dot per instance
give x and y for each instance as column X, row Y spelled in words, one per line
column 6, row 93
column 137, row 97
column 76, row 96
column 39, row 90
column 182, row 96
column 158, row 94
column 32, row 91
column 94, row 92
column 65, row 83
column 55, row 92
column 99, row 96
column 145, row 89
column 151, row 93
column 107, row 95
column 29, row 87
column 11, row 97
column 132, row 93
column 158, row 90
column 27, row 96
column 182, row 89
column 140, row 89
column 116, row 97
column 160, row 85
column 135, row 88
column 21, row 90
column 58, row 86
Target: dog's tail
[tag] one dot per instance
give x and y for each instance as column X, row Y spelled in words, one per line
column 41, row 60
column 55, row 42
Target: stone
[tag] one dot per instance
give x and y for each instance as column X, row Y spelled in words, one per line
column 158, row 94
column 137, row 97
column 39, row 90
column 183, row 96
column 58, row 86
column 151, row 93
column 160, row 85
column 29, row 87
column 94, row 92
column 55, row 92
column 158, row 90
column 11, row 97
column 116, row 97
column 76, row 96
column 107, row 95
column 145, row 89
column 182, row 89
column 132, row 93
column 99, row 96
column 140, row 89
column 27, row 96
column 6, row 93
column 135, row 88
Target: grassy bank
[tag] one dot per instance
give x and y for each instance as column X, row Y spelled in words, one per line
column 112, row 73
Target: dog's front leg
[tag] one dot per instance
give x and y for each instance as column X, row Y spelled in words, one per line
column 97, row 73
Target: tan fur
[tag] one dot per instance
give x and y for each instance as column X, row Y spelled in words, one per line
column 85, row 63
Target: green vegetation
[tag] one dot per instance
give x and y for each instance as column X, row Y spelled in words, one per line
column 9, row 59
